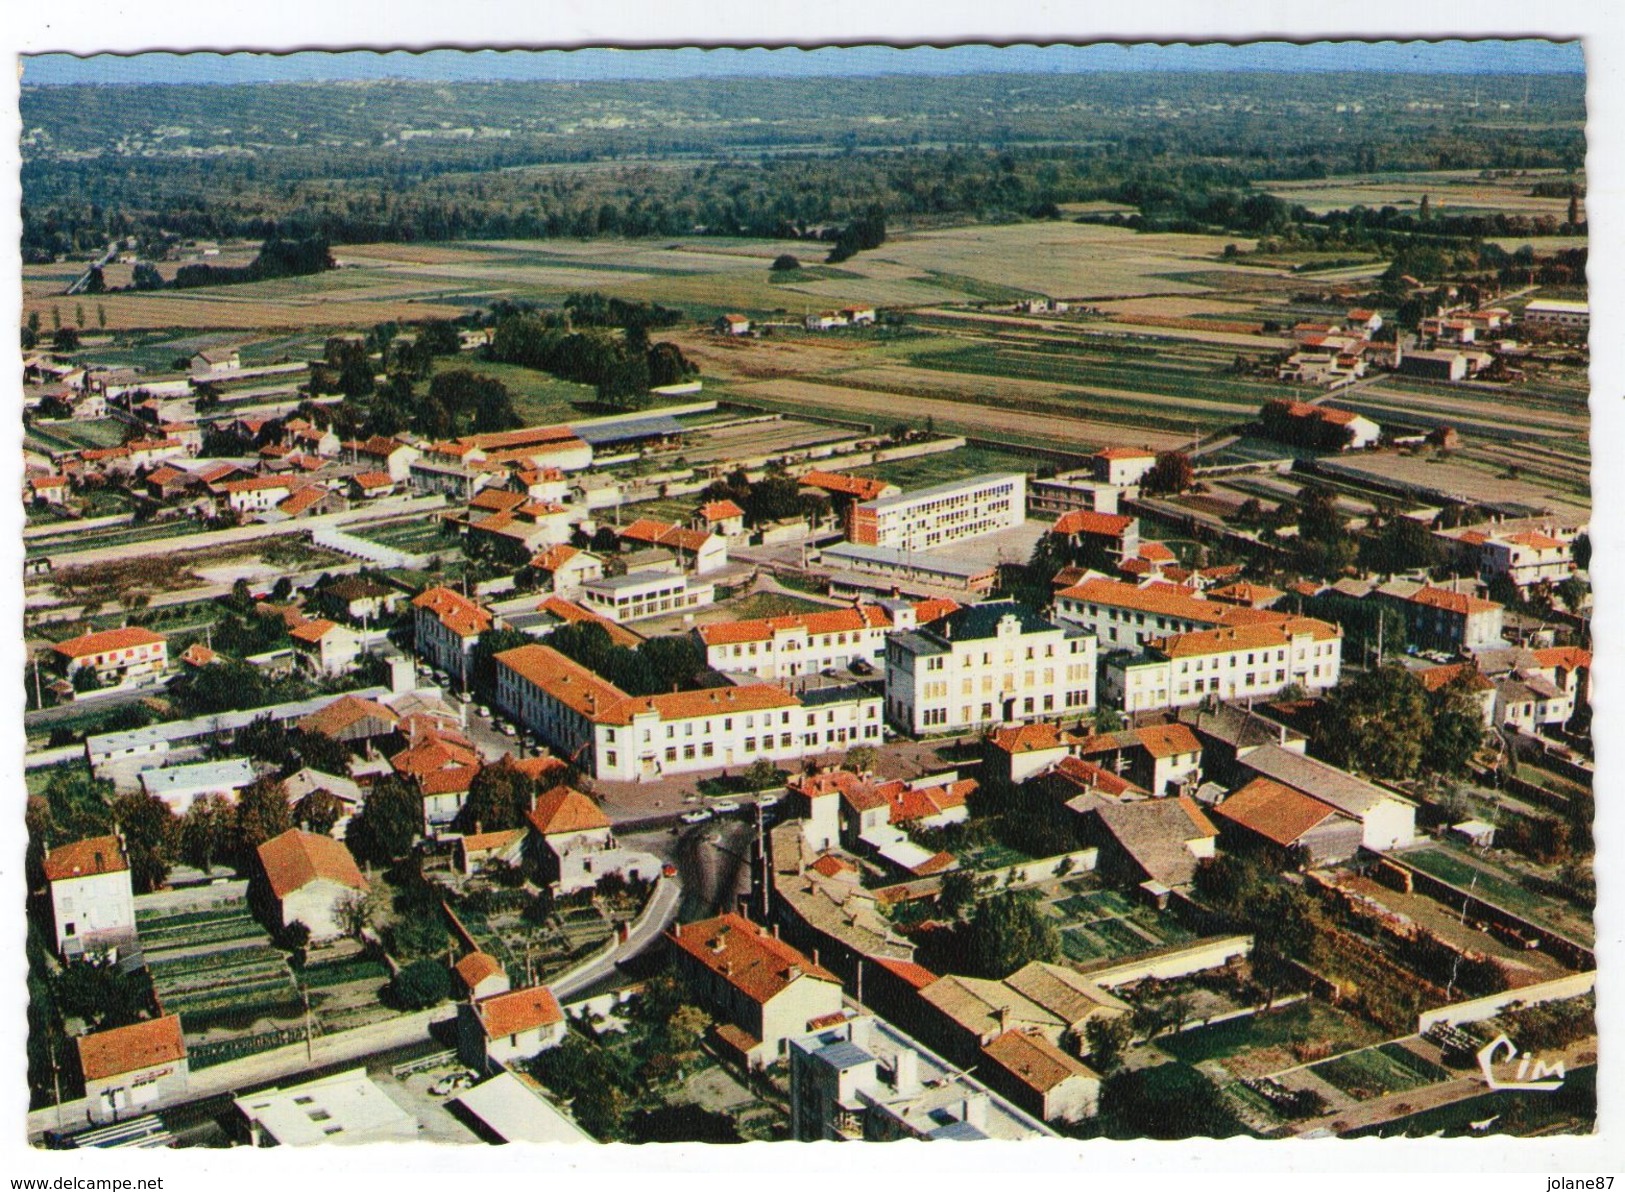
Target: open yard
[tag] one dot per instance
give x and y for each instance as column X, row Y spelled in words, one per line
column 1378, row 1071
column 1269, row 1042
column 503, row 928
column 1482, row 878
column 1102, row 924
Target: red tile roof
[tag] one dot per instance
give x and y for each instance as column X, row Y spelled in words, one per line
column 133, row 1048
column 106, row 640
column 565, row 809
column 1276, row 812
column 312, row 631
column 519, row 1011
column 456, row 612
column 1081, row 521
column 553, row 557
column 1126, row 453
column 344, row 712
column 1034, row 1060
column 373, row 480
column 715, row 511
column 836, row 620
column 862, row 488
column 1168, row 740
column 1229, row 639
column 476, row 966
column 1030, row 737
column 741, row 953
column 1563, row 657
column 85, row 858
column 916, row 975
column 1437, row 678
column 1455, row 602
column 1087, row 776
column 659, row 533
column 295, row 859
column 564, row 610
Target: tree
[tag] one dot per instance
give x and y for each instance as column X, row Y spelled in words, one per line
column 421, row 984
column 784, row 263
column 151, row 837
column 206, row 832
column 1378, row 723
column 388, row 823
column 318, row 812
column 1172, row 473
column 861, row 758
column 262, row 813
column 78, row 805
column 355, row 912
column 1006, row 931
column 499, row 797
column 685, row 1028
column 1136, row 1104
column 1105, row 1040
column 761, row 774
column 1457, row 730
column 1404, row 544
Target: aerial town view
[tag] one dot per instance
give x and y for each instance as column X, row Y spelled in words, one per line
column 1015, row 602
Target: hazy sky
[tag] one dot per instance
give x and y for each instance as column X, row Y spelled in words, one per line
column 1448, row 57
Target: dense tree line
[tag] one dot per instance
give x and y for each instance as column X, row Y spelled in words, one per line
column 781, row 158
column 278, row 257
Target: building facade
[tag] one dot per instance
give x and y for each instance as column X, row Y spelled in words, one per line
column 943, row 513
column 1233, row 663
column 986, row 664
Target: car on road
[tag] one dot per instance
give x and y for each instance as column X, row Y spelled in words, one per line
column 451, row 1084
column 726, row 807
column 484, row 711
column 509, row 730
column 696, row 817
column 768, row 800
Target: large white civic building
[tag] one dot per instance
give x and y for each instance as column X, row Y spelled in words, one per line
column 991, row 663
column 931, row 517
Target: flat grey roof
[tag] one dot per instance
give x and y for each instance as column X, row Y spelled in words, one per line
column 640, row 428
column 940, row 490
column 887, row 556
column 180, row 730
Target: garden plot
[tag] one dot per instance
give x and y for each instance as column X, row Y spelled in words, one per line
column 1099, row 924
column 1379, row 1071
column 505, row 928
column 344, row 990
column 216, row 968
column 1270, row 1042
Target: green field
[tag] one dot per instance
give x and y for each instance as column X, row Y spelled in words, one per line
column 1378, row 1071
column 1571, row 1109
column 539, row 398
column 1302, row 1022
column 773, row 604
column 925, row 470
column 415, row 535
column 1492, row 887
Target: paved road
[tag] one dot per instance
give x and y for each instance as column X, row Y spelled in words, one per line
column 668, row 897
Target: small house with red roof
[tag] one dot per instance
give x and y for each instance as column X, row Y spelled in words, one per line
column 116, row 655
column 481, row 975
column 310, row 877
column 760, row 990
column 133, row 1069
column 1271, row 814
column 563, row 569
column 506, row 1027
column 92, row 901
column 720, row 517
column 1123, row 465
column 324, row 647
column 1107, row 536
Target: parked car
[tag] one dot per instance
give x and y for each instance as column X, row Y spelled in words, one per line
column 451, row 1084
column 860, row 667
column 828, row 672
column 509, row 730
column 768, row 800
column 726, row 807
column 696, row 817
column 484, row 711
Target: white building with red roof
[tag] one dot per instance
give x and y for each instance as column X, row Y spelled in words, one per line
column 447, row 625
column 310, row 877
column 325, row 647
column 564, row 569
column 1525, row 553
column 133, row 1069
column 1123, row 465
column 618, row 737
column 720, row 517
column 1231, row 662
column 116, row 655
column 92, row 901
column 760, row 989
column 799, row 644
column 507, row 1027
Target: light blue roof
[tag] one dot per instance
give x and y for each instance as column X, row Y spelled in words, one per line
column 233, row 774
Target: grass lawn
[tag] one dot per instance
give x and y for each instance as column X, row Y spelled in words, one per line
column 538, row 397
column 1572, row 1109
column 1448, row 867
column 1378, row 1071
column 926, row 470
column 1268, row 1037
column 773, row 604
